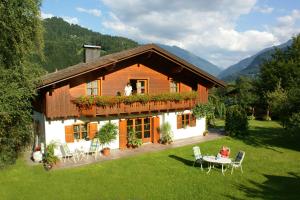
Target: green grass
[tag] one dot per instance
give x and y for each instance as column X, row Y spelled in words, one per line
column 271, row 171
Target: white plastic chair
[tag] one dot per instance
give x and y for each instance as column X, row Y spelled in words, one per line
column 237, row 163
column 65, row 152
column 198, row 156
column 94, row 147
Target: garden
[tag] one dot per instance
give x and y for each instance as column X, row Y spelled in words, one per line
column 271, row 171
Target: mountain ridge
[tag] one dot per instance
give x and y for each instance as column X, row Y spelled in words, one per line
column 250, row 66
column 193, row 59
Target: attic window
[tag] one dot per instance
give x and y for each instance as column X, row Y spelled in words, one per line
column 93, row 87
column 174, row 86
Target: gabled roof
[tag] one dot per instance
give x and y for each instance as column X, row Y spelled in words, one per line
column 101, row 62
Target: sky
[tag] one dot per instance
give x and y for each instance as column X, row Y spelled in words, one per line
column 220, row 31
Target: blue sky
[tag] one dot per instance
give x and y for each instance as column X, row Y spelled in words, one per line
column 220, row 31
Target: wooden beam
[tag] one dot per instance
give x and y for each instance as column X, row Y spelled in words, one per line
column 176, row 69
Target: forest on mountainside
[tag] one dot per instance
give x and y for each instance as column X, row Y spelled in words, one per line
column 64, row 41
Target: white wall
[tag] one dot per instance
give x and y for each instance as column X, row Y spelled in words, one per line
column 183, row 132
column 55, row 129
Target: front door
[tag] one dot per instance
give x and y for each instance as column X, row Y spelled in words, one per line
column 142, row 127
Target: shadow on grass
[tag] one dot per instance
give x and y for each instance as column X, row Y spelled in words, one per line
column 188, row 162
column 275, row 187
column 183, row 160
column 271, row 137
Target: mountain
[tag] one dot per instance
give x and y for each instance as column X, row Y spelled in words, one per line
column 64, row 41
column 250, row 66
column 63, row 46
column 193, row 59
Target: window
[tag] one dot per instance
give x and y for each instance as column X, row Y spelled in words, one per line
column 80, row 131
column 174, row 86
column 93, row 87
column 139, row 86
column 186, row 120
column 85, row 131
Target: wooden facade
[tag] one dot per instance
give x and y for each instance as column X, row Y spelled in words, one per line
column 59, row 104
column 155, row 67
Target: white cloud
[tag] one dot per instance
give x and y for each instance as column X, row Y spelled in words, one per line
column 46, row 15
column 286, row 26
column 71, row 20
column 206, row 28
column 263, row 9
column 203, row 27
column 94, row 12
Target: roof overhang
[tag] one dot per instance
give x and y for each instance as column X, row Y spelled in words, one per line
column 112, row 59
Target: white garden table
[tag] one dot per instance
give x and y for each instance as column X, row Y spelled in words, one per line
column 80, row 148
column 216, row 160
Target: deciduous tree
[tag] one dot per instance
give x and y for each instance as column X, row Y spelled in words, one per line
column 20, row 41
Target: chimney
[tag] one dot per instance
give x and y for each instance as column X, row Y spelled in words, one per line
column 91, row 52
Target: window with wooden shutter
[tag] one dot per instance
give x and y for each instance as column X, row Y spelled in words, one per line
column 192, row 120
column 155, row 124
column 186, row 120
column 93, row 129
column 69, row 134
column 122, row 134
column 179, row 121
column 80, row 131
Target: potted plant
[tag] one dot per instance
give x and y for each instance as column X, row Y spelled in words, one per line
column 106, row 135
column 132, row 139
column 49, row 158
column 166, row 133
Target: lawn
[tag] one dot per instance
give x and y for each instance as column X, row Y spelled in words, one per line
column 271, row 171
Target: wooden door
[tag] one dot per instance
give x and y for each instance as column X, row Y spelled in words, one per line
column 142, row 128
column 155, row 129
column 147, row 132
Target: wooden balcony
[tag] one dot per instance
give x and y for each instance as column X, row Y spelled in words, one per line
column 138, row 107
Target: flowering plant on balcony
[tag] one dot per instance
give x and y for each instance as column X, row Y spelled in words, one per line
column 85, row 101
column 107, row 100
column 88, row 101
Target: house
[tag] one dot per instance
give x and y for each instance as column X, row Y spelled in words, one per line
column 149, row 69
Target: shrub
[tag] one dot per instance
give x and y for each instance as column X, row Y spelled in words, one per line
column 49, row 158
column 293, row 123
column 236, row 122
column 166, row 133
column 7, row 155
column 107, row 133
column 205, row 110
column 220, row 110
column 133, row 140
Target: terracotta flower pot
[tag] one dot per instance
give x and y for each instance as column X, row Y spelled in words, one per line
column 48, row 166
column 106, row 151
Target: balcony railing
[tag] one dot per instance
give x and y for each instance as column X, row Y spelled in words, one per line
column 137, row 107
